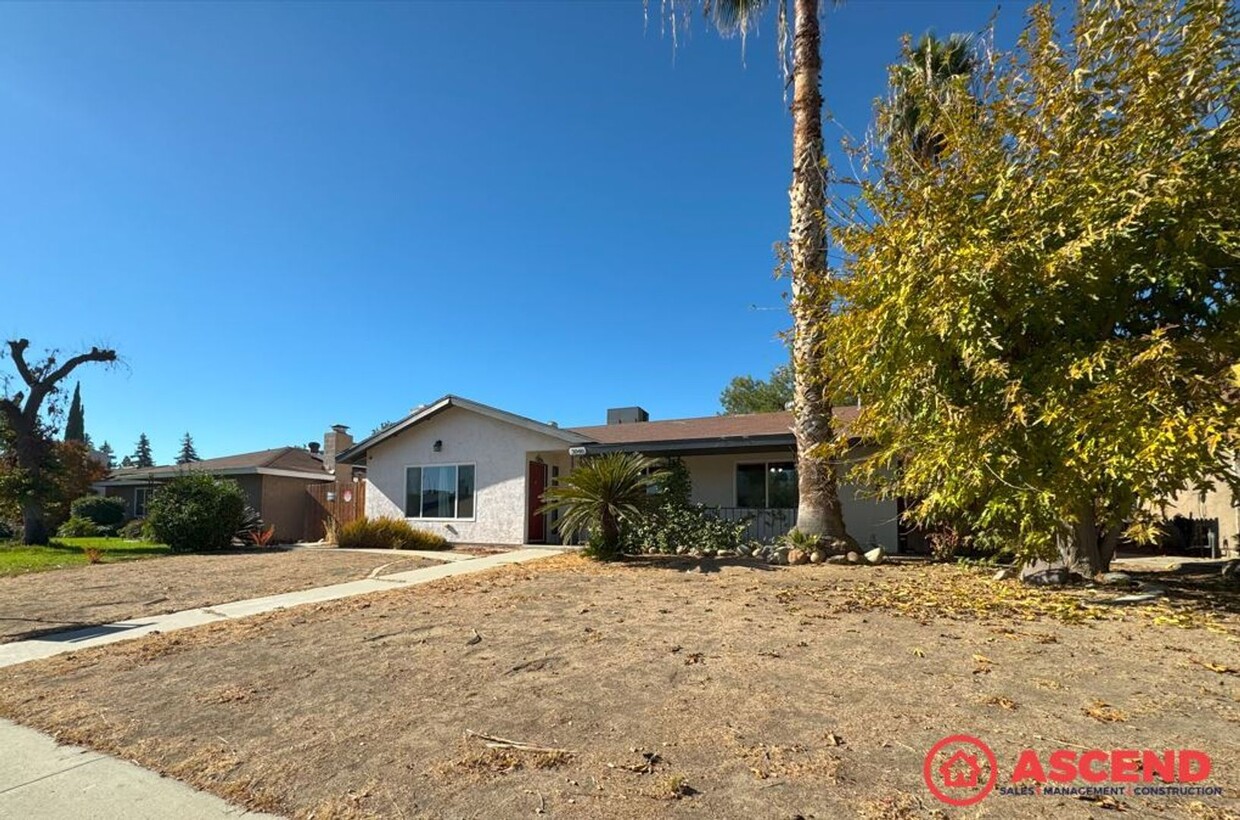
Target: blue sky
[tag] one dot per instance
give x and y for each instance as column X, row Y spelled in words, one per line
column 285, row 216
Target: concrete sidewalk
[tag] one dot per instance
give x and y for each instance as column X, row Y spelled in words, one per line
column 39, row 779
column 57, row 643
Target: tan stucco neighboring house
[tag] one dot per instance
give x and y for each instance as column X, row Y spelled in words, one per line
column 1212, row 513
column 476, row 474
column 276, row 482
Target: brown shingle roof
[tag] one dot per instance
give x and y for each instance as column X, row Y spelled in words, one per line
column 280, row 458
column 703, row 428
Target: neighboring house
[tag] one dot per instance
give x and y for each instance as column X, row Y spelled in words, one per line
column 1205, row 519
column 277, row 483
column 476, row 474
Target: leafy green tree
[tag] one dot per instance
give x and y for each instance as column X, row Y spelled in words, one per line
column 26, row 434
column 745, row 394
column 819, row 511
column 75, row 423
column 187, row 454
column 142, row 452
column 601, row 495
column 1044, row 322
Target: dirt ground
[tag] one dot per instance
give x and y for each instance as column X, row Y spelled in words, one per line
column 37, row 603
column 737, row 691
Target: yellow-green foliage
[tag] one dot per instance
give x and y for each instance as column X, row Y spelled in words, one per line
column 388, row 533
column 1043, row 317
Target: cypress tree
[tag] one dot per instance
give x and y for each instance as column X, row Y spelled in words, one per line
column 75, row 425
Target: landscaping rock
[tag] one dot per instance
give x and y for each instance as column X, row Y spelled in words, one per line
column 854, row 557
column 1137, row 598
column 838, row 559
column 797, row 557
column 743, row 551
column 1151, row 588
column 1043, row 573
column 875, row 556
column 1115, row 579
column 817, row 557
column 1006, row 573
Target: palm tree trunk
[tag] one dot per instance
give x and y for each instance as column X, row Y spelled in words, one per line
column 818, row 511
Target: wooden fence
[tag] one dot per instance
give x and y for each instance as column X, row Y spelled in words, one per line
column 343, row 500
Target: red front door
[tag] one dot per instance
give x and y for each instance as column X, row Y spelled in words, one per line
column 538, row 521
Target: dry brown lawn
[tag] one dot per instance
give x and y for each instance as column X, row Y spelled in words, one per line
column 736, row 692
column 38, row 603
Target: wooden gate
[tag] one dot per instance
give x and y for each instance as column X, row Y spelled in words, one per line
column 343, row 500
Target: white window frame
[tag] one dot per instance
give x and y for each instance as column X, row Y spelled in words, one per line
column 458, row 465
column 766, row 483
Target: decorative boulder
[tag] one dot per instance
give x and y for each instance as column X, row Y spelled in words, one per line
column 796, row 556
column 854, row 557
column 817, row 557
column 875, row 556
column 1005, row 574
column 1043, row 573
column 1114, row 579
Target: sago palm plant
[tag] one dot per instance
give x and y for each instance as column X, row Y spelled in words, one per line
column 601, row 494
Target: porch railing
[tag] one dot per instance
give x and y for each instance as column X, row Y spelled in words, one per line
column 764, row 525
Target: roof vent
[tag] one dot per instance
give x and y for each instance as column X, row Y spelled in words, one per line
column 627, row 415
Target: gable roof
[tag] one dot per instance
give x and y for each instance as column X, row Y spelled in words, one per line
column 295, row 461
column 354, row 454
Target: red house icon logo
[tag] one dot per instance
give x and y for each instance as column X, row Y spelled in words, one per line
column 960, row 771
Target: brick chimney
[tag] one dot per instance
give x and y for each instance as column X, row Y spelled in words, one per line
column 335, row 442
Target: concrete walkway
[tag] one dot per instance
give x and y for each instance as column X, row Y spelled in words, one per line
column 40, row 779
column 45, row 646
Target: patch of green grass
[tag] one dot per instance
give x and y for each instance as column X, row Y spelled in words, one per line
column 18, row 559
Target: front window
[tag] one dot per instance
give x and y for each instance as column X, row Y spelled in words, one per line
column 439, row 491
column 767, row 485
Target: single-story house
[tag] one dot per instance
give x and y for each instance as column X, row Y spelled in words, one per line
column 281, row 483
column 476, row 474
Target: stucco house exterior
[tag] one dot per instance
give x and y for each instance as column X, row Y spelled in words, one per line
column 475, row 473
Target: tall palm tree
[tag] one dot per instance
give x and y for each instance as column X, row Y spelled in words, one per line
column 819, row 511
column 932, row 69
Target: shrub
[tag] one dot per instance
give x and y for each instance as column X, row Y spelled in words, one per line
column 387, row 533
column 78, row 528
column 196, row 511
column 106, row 511
column 672, row 525
column 252, row 526
column 673, row 528
column 134, row 530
